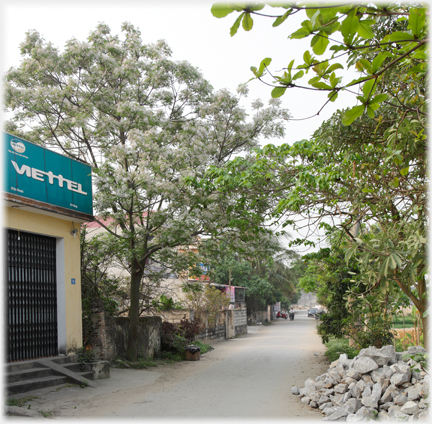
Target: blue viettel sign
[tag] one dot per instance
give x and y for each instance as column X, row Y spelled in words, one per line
column 37, row 173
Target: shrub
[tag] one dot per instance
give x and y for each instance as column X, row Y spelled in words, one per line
column 337, row 346
column 174, row 338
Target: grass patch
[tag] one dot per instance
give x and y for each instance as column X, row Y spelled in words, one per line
column 170, row 357
column 407, row 325
column 335, row 347
column 21, row 401
column 45, row 414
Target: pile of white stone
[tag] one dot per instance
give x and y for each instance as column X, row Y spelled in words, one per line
column 378, row 384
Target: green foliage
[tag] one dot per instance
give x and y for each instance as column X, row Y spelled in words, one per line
column 336, row 346
column 422, row 360
column 165, row 303
column 204, row 347
column 350, row 31
column 85, row 356
column 171, row 356
column 174, row 338
column 205, row 298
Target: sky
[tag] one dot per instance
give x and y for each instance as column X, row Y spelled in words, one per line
column 192, row 33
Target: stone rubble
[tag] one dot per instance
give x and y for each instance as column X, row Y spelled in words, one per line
column 378, row 384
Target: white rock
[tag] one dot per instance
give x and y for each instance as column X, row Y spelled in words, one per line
column 352, row 405
column 383, row 416
column 338, row 414
column 341, row 388
column 410, row 407
column 352, row 418
column 364, row 365
column 400, row 400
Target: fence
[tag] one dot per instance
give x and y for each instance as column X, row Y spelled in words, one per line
column 228, row 324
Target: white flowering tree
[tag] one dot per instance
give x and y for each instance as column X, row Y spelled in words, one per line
column 150, row 127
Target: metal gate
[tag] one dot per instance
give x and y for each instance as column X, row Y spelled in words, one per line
column 31, row 296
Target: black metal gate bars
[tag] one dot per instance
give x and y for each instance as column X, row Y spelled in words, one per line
column 31, row 296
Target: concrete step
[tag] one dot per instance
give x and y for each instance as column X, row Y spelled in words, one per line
column 28, row 374
column 31, row 375
column 19, row 366
column 36, row 383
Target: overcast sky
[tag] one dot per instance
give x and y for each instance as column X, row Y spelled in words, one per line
column 192, row 33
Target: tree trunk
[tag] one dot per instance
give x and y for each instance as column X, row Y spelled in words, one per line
column 136, row 276
column 425, row 325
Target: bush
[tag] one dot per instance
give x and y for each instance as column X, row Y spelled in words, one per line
column 175, row 338
column 337, row 346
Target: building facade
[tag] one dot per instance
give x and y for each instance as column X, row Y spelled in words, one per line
column 46, row 198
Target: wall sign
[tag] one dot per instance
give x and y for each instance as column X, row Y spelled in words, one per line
column 41, row 174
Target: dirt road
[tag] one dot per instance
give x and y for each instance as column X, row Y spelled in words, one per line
column 247, row 377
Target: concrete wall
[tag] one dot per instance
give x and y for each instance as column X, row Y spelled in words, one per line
column 109, row 337
column 260, row 316
column 68, row 268
column 240, row 322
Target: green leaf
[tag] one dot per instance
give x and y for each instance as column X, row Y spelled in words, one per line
column 291, row 64
column 400, row 36
column 417, row 19
column 278, row 92
column 247, row 23
column 404, row 171
column 307, row 57
column 322, row 86
column 300, row 33
column 319, row 44
column 378, row 61
column 333, row 96
column 396, row 181
column 349, row 27
column 298, row 75
column 364, row 30
column 397, row 259
column 384, row 267
column 236, row 25
column 334, row 67
column 264, row 63
column 352, row 114
column 364, row 64
column 379, row 98
column 370, row 112
column 220, row 10
column 280, row 19
column 369, row 87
